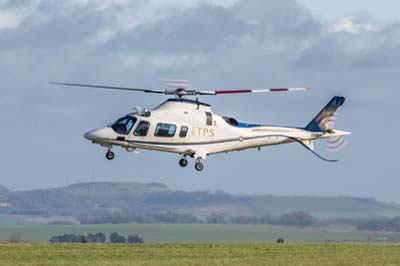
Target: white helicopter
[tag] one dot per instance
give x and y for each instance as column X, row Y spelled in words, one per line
column 190, row 127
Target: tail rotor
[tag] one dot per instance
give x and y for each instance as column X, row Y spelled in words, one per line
column 336, row 143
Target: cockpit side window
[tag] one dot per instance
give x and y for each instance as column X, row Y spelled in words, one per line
column 124, row 125
column 142, row 129
column 165, row 130
column 184, row 131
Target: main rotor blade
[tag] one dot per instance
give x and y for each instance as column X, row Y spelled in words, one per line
column 114, row 88
column 181, row 92
column 218, row 92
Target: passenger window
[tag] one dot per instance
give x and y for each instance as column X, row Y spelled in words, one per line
column 184, row 131
column 142, row 129
column 209, row 118
column 165, row 130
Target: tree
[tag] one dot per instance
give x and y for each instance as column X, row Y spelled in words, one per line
column 216, row 218
column 266, row 219
column 54, row 239
column 90, row 238
column 71, row 238
column 101, row 237
column 298, row 219
column 116, row 238
column 135, row 239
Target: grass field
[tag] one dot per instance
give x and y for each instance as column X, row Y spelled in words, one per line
column 195, row 233
column 201, row 254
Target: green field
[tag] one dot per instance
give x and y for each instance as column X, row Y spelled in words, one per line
column 201, row 254
column 195, row 233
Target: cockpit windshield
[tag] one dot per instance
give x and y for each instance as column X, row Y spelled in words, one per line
column 124, row 125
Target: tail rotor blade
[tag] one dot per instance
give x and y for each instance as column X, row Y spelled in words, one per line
column 335, row 144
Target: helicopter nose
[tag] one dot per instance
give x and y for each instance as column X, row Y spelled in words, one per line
column 97, row 134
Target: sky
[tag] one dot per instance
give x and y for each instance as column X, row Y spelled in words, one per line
column 349, row 48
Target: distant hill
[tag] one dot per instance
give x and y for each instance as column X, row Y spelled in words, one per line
column 98, row 198
column 3, row 191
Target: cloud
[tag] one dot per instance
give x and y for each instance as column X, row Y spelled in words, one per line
column 10, row 20
column 265, row 42
column 13, row 13
column 97, row 4
column 352, row 25
column 351, row 46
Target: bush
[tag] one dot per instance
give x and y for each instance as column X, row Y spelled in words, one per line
column 116, row 238
column 96, row 238
column 72, row 238
column 101, row 237
column 68, row 238
column 135, row 239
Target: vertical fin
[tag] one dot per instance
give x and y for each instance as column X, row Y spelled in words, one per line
column 316, row 125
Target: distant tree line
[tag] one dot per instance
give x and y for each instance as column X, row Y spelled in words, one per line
column 123, row 218
column 60, row 223
column 299, row 218
column 96, row 238
column 380, row 224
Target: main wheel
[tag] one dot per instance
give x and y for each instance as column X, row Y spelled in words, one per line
column 110, row 155
column 199, row 166
column 183, row 162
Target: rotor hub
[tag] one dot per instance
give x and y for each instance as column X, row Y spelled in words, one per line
column 180, row 93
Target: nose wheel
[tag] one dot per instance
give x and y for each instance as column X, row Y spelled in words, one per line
column 183, row 162
column 110, row 155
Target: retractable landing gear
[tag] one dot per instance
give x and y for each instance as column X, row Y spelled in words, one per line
column 183, row 162
column 199, row 166
column 110, row 155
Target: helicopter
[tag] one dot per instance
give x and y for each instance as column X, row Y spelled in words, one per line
column 190, row 128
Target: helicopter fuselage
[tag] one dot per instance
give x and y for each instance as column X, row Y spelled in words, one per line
column 190, row 128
